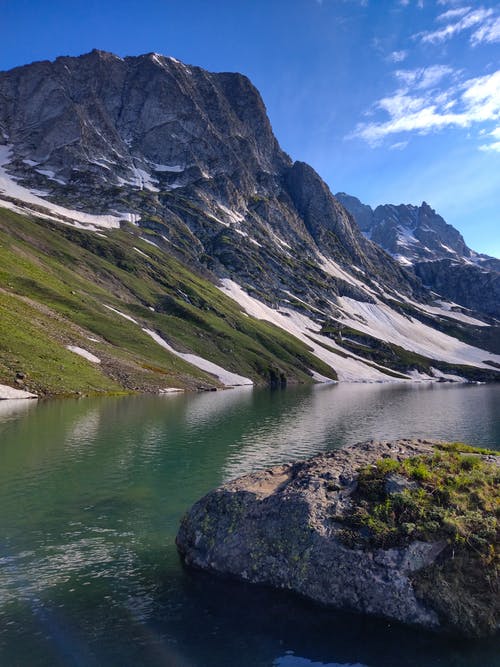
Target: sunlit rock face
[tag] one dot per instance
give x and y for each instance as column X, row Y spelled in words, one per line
column 190, row 154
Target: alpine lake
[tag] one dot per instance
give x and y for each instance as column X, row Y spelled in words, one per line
column 92, row 492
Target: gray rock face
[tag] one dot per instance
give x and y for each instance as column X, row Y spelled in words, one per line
column 111, row 116
column 413, row 233
column 473, row 286
column 362, row 213
column 191, row 154
column 280, row 527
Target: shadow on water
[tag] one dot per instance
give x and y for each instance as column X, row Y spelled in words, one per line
column 91, row 494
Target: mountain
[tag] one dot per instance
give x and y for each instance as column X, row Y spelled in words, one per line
column 417, row 237
column 150, row 198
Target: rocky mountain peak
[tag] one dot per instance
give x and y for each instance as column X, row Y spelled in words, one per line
column 186, row 160
column 410, row 233
column 129, row 119
column 138, row 137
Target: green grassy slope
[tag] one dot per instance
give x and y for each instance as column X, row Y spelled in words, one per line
column 55, row 283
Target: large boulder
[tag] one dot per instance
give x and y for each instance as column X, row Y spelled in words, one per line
column 338, row 529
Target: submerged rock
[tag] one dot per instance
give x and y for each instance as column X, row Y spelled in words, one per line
column 318, row 528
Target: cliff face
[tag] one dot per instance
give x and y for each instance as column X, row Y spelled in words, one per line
column 475, row 287
column 186, row 151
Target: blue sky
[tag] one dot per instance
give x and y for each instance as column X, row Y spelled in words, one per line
column 394, row 101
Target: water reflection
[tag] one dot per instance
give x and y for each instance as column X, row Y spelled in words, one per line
column 13, row 407
column 338, row 415
column 291, row 660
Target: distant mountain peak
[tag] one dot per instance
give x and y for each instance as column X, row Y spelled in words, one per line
column 418, row 237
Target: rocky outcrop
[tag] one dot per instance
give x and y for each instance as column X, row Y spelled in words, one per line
column 474, row 286
column 285, row 527
column 408, row 232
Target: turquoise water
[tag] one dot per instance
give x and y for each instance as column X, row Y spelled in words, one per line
column 91, row 494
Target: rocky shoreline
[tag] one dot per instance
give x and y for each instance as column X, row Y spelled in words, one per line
column 301, row 527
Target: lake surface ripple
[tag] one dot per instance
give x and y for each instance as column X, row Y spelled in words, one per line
column 92, row 492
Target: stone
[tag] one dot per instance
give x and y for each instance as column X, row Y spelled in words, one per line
column 283, row 527
column 397, row 484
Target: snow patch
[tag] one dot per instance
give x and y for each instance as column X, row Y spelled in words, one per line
column 449, row 377
column 140, row 252
column 348, row 369
column 380, row 321
column 405, row 236
column 445, row 310
column 150, row 242
column 177, row 168
column 45, row 172
column 401, row 259
column 140, row 179
column 10, row 188
column 83, row 353
column 227, row 378
column 321, row 378
column 333, row 269
column 7, row 393
column 124, row 315
column 279, row 241
column 233, row 216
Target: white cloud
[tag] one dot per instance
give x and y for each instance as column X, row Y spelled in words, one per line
column 398, row 146
column 478, row 18
column 453, row 14
column 492, row 148
column 489, row 32
column 468, row 102
column 423, row 77
column 397, row 56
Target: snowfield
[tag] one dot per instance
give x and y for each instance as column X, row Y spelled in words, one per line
column 303, row 328
column 382, row 322
column 377, row 320
column 83, row 353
